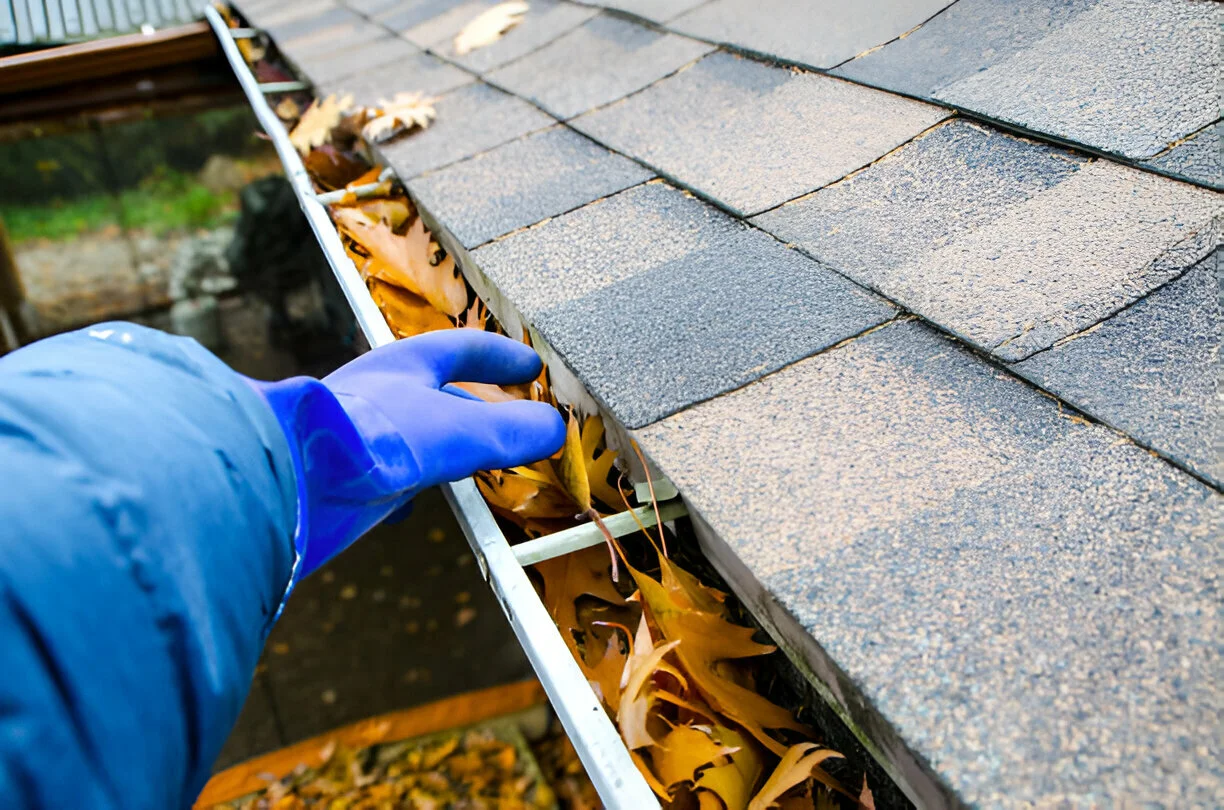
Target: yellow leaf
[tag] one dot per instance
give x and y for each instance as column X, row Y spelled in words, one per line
column 685, row 752
column 404, row 113
column 799, row 763
column 598, row 467
column 637, row 696
column 733, row 782
column 287, row 109
column 315, row 127
column 709, row 639
column 392, row 212
column 507, row 493
column 489, row 26
column 651, row 779
column 572, row 467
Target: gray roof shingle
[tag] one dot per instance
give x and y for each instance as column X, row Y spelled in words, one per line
column 762, row 135
column 1030, row 602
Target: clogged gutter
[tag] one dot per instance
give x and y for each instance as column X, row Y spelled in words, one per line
column 670, row 665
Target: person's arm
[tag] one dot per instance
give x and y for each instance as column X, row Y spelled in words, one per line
column 155, row 508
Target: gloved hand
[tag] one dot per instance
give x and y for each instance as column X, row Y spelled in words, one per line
column 373, row 434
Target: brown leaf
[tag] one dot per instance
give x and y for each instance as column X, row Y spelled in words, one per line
column 403, row 260
column 406, row 314
column 799, row 763
column 404, row 113
column 607, row 657
column 489, row 26
column 330, row 168
column 529, row 496
column 314, row 129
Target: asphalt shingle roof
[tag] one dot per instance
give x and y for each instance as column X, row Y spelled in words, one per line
column 944, row 398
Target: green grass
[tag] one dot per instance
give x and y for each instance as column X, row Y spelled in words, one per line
column 165, row 201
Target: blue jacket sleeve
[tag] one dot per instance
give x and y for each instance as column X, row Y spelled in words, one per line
column 147, row 512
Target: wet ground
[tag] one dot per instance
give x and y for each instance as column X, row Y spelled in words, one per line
column 400, row 619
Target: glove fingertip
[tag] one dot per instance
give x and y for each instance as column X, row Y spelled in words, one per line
column 538, row 430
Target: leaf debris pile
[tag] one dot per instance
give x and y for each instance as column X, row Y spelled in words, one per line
column 670, row 665
column 562, row 769
column 473, row 770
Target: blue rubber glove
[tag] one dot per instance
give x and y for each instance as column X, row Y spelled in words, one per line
column 370, row 436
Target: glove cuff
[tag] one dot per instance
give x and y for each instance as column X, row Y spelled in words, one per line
column 351, row 473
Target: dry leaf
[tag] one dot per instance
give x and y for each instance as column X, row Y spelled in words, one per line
column 799, row 763
column 407, row 314
column 288, row 109
column 572, row 468
column 489, row 26
column 598, row 464
column 637, row 692
column 568, row 579
column 403, row 260
column 330, row 168
column 708, row 640
column 733, row 783
column 314, row 129
column 531, row 496
column 685, row 752
column 405, row 112
column 390, row 212
column 487, row 391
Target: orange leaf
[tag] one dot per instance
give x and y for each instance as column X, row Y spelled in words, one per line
column 406, row 314
column 487, row 391
column 404, row 260
column 799, row 763
column 651, row 779
column 566, row 580
column 508, row 493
